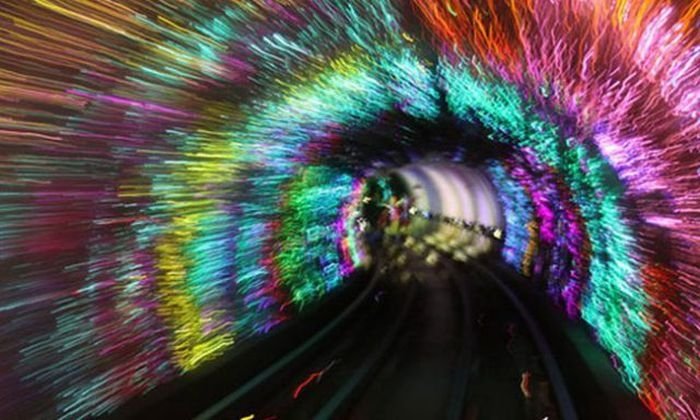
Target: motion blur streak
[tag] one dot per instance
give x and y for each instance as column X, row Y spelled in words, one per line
column 178, row 177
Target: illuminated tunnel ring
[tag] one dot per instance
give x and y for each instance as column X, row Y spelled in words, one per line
column 179, row 179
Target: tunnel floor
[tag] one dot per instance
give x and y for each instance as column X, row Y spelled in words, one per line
column 435, row 341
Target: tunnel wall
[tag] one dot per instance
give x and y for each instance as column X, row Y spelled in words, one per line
column 163, row 164
column 175, row 181
column 601, row 101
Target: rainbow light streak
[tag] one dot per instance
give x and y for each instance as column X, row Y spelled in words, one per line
column 517, row 210
column 354, row 250
column 308, row 256
column 606, row 95
column 180, row 176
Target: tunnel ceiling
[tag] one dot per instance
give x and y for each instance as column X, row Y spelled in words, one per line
column 178, row 177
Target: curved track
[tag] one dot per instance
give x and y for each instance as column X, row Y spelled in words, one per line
column 447, row 342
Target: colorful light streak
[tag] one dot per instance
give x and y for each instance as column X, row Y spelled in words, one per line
column 575, row 84
column 173, row 176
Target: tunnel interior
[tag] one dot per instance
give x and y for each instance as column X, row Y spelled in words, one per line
column 182, row 178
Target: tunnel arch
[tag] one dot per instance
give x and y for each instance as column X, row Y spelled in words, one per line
column 176, row 161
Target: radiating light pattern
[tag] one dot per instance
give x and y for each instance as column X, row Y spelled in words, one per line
column 308, row 258
column 180, row 176
column 517, row 213
column 600, row 101
column 350, row 227
column 170, row 158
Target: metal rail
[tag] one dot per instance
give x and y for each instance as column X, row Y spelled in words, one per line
column 335, row 403
column 290, row 357
column 561, row 392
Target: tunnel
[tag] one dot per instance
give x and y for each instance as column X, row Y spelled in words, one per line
column 391, row 209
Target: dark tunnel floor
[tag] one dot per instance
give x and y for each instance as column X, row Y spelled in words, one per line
column 417, row 377
column 443, row 344
column 461, row 354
